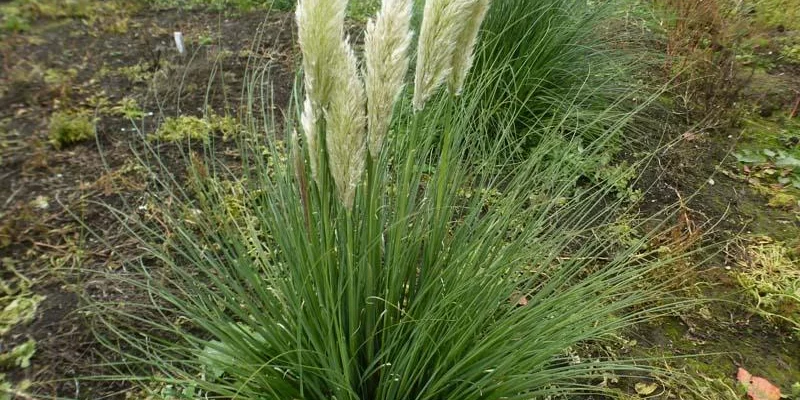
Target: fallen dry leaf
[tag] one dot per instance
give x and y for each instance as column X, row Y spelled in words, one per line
column 758, row 388
column 519, row 299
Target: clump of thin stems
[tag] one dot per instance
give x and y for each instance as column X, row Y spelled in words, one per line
column 450, row 274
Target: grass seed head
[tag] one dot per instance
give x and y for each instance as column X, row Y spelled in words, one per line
column 463, row 57
column 386, row 46
column 441, row 29
column 320, row 28
column 346, row 123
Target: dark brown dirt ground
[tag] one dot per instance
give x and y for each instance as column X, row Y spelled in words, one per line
column 47, row 244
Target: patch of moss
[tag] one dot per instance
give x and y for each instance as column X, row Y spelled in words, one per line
column 774, row 13
column 183, row 128
column 227, row 125
column 136, row 73
column 20, row 356
column 129, row 108
column 194, row 128
column 771, row 274
column 60, row 81
column 14, row 23
column 783, row 201
column 70, row 127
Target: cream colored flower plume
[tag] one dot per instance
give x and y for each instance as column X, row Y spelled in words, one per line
column 346, row 123
column 442, row 24
column 386, row 63
column 320, row 28
column 465, row 47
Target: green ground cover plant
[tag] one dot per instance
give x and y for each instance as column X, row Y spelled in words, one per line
column 70, row 127
column 770, row 274
column 350, row 263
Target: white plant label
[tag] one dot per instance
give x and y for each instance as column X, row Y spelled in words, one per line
column 179, row 42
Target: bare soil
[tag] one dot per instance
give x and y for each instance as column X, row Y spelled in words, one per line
column 46, row 242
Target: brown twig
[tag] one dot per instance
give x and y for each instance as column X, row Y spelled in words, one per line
column 796, row 105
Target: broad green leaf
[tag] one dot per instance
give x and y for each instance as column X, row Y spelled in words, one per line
column 749, row 157
column 787, row 162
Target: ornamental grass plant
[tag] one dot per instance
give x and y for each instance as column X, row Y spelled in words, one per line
column 376, row 255
column 566, row 60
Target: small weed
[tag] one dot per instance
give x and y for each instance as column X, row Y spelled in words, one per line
column 189, row 127
column 699, row 36
column 99, row 102
column 775, row 13
column 769, row 272
column 60, row 81
column 14, row 23
column 69, row 127
column 771, row 166
column 183, row 128
column 791, row 53
column 118, row 26
column 18, row 303
column 136, row 73
column 165, row 391
column 770, row 157
column 130, row 177
column 9, row 391
column 19, row 356
column 205, row 40
column 128, row 108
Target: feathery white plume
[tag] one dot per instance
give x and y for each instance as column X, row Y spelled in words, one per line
column 442, row 25
column 346, row 123
column 463, row 56
column 320, row 28
column 386, row 46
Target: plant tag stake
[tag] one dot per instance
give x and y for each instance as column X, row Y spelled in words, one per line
column 179, row 42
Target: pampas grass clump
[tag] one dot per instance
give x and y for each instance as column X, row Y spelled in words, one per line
column 434, row 275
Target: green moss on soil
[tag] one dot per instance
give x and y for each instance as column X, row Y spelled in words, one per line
column 770, row 273
column 175, row 129
column 70, row 127
column 773, row 13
